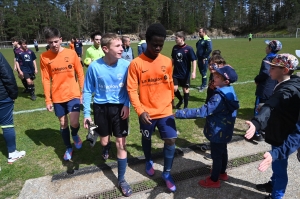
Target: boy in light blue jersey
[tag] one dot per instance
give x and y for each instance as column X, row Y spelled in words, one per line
column 106, row 78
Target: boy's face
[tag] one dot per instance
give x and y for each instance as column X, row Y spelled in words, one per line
column 277, row 73
column 97, row 41
column 127, row 42
column 268, row 49
column 54, row 44
column 179, row 40
column 219, row 80
column 14, row 43
column 24, row 46
column 201, row 33
column 155, row 45
column 115, row 49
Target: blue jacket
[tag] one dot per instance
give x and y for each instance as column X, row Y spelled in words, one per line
column 204, row 47
column 220, row 113
column 142, row 46
column 265, row 84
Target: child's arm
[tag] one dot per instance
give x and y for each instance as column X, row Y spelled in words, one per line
column 212, row 107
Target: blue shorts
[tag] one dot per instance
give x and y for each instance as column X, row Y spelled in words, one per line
column 64, row 108
column 166, row 127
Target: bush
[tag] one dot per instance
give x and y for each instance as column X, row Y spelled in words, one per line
column 169, row 32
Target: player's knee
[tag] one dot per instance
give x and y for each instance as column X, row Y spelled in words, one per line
column 170, row 142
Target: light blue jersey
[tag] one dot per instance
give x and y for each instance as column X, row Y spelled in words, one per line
column 108, row 83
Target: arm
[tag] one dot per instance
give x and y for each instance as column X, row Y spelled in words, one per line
column 35, row 67
column 212, row 107
column 132, row 88
column 8, row 79
column 88, row 89
column 263, row 73
column 208, row 48
column 139, row 49
column 194, row 63
column 79, row 70
column 46, row 79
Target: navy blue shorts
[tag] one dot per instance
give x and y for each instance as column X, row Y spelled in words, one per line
column 166, row 127
column 64, row 108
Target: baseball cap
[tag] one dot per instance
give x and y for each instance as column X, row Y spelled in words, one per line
column 284, row 60
column 228, row 73
column 275, row 45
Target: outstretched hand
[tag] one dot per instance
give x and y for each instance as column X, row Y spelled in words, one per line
column 250, row 132
column 266, row 163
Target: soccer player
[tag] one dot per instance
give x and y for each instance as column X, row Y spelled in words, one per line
column 59, row 67
column 142, row 45
column 182, row 57
column 151, row 91
column 26, row 66
column 106, row 78
column 95, row 51
column 8, row 93
column 127, row 50
column 71, row 45
column 204, row 48
column 36, row 45
column 79, row 49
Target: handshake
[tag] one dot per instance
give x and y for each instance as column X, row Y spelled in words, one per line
column 92, row 135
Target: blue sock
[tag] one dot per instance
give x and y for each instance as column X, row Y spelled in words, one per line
column 122, row 163
column 146, row 145
column 74, row 131
column 9, row 135
column 169, row 152
column 65, row 133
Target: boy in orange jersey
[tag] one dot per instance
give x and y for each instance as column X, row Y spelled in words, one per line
column 151, row 91
column 71, row 45
column 59, row 68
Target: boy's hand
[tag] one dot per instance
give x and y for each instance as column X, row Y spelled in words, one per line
column 193, row 75
column 125, row 112
column 145, row 118
column 250, row 132
column 266, row 163
column 85, row 125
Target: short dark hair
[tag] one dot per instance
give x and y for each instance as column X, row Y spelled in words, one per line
column 156, row 29
column 124, row 38
column 204, row 30
column 94, row 34
column 50, row 32
column 13, row 39
column 142, row 36
column 216, row 52
column 218, row 59
column 22, row 41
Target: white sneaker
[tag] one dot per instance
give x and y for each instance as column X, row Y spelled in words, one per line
column 15, row 156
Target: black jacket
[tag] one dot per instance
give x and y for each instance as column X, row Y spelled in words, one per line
column 8, row 84
column 265, row 84
column 279, row 115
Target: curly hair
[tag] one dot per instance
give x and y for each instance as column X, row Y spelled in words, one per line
column 155, row 29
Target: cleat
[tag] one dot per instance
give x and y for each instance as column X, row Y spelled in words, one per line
column 12, row 157
column 68, row 154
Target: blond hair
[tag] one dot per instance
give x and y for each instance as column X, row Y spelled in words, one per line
column 107, row 38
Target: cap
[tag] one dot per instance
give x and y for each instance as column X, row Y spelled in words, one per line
column 284, row 60
column 228, row 73
column 275, row 45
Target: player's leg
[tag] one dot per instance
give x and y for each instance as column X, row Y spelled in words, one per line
column 186, row 92
column 177, row 93
column 146, row 131
column 9, row 134
column 120, row 131
column 61, row 112
column 101, row 119
column 168, row 133
column 30, row 86
column 74, row 113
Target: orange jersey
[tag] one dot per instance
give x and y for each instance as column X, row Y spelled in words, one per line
column 71, row 45
column 58, row 76
column 150, row 86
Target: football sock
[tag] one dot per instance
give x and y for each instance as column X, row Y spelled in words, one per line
column 24, row 82
column 65, row 133
column 186, row 99
column 74, row 131
column 178, row 95
column 169, row 152
column 122, row 163
column 146, row 145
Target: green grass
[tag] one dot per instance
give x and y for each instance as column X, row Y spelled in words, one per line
column 38, row 132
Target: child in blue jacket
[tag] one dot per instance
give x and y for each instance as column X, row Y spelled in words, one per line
column 220, row 112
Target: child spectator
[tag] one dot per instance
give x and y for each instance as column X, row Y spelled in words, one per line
column 278, row 117
column 220, row 112
column 264, row 83
column 127, row 50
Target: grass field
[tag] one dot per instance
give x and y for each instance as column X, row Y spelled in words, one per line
column 38, row 132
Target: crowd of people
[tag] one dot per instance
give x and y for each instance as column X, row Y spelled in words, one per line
column 116, row 79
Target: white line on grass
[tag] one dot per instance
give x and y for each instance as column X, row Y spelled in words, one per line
column 43, row 109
